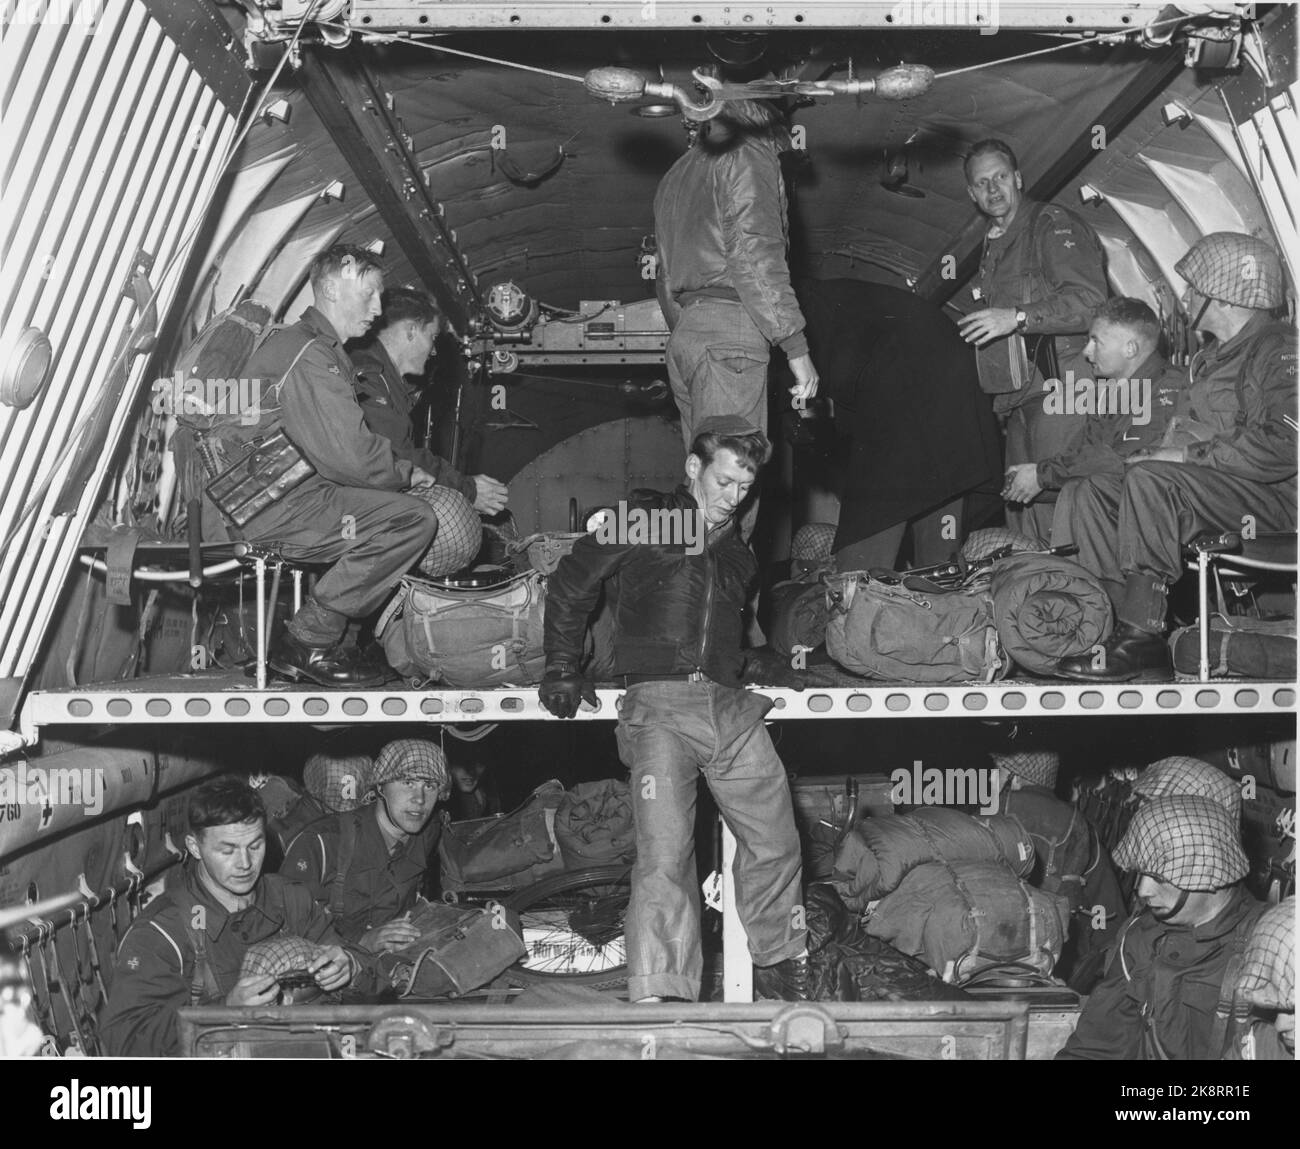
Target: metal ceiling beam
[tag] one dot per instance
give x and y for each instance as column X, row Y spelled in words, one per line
column 209, row 43
column 986, row 16
column 1135, row 96
column 360, row 116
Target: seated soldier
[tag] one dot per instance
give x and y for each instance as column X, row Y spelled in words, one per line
column 189, row 944
column 407, row 332
column 366, row 866
column 1069, row 860
column 1133, row 392
column 351, row 513
column 1265, row 990
column 1163, row 996
column 1227, row 464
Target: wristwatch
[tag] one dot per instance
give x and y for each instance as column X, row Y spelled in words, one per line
column 1021, row 320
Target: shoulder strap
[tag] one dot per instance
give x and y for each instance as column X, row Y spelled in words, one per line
column 204, row 987
column 343, row 863
column 1223, row 1012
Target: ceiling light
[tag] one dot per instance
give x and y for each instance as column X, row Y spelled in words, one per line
column 277, row 111
column 333, row 190
column 1174, row 113
column 1090, row 194
column 375, row 247
column 655, row 111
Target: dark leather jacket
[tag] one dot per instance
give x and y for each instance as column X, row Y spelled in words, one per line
column 720, row 225
column 673, row 612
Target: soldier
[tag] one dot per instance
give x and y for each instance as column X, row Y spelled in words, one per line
column 1229, row 460
column 1166, row 993
column 1042, row 276
column 351, row 513
column 366, row 866
column 408, row 331
column 1139, row 389
column 189, row 944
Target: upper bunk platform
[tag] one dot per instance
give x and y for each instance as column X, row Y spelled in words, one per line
column 226, row 697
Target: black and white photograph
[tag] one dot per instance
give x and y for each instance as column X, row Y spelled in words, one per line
column 640, row 530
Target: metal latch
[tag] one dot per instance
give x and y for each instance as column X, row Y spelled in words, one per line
column 405, row 1036
column 804, row 1028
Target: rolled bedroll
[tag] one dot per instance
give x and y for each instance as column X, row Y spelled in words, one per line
column 1047, row 608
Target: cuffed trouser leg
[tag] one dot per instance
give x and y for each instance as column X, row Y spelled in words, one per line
column 370, row 537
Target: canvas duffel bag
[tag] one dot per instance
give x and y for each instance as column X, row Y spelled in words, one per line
column 884, row 630
column 466, row 638
column 1245, row 647
column 458, row 949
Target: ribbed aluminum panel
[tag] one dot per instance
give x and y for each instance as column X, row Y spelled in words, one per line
column 115, row 149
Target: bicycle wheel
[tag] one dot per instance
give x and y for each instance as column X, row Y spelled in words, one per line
column 573, row 928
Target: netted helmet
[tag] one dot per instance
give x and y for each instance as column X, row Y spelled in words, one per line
column 1235, row 268
column 1190, row 842
column 410, row 758
column 1172, row 777
column 1037, row 766
column 1267, row 977
column 460, row 531
column 338, row 781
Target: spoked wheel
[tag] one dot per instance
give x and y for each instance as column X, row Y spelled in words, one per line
column 573, row 928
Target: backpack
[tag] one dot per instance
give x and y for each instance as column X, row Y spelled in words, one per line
column 466, row 638
column 886, row 630
column 210, row 402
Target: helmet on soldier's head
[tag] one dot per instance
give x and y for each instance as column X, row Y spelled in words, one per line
column 409, row 758
column 1188, row 841
column 460, row 531
column 337, row 781
column 1235, row 268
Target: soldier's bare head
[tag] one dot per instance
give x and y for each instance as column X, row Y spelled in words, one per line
column 347, row 283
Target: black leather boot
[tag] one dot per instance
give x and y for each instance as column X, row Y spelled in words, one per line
column 789, row 980
column 1128, row 653
column 323, row 665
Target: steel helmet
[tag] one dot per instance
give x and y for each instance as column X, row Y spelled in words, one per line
column 460, row 531
column 281, row 955
column 1188, row 841
column 408, row 758
column 1235, row 268
column 1175, row 776
column 337, row 781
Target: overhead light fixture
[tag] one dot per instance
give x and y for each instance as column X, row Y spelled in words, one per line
column 1090, row 194
column 333, row 190
column 1174, row 113
column 277, row 111
column 655, row 111
column 375, row 247
column 26, row 369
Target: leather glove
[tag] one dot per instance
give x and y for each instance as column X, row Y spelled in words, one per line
column 563, row 691
column 768, row 668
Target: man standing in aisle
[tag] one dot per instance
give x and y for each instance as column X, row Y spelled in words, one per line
column 676, row 605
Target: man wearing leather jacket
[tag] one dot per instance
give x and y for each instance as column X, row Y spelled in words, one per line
column 722, row 278
column 677, row 630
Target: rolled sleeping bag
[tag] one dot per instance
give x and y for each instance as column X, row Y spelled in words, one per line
column 1048, row 608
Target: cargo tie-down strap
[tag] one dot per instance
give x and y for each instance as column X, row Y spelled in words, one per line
column 120, row 559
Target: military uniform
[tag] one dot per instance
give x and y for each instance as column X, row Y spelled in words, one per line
column 350, row 513
column 1241, row 460
column 1049, row 264
column 378, row 885
column 157, row 970
column 1163, row 995
column 386, row 403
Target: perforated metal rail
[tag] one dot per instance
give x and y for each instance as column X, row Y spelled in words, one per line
column 198, row 700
